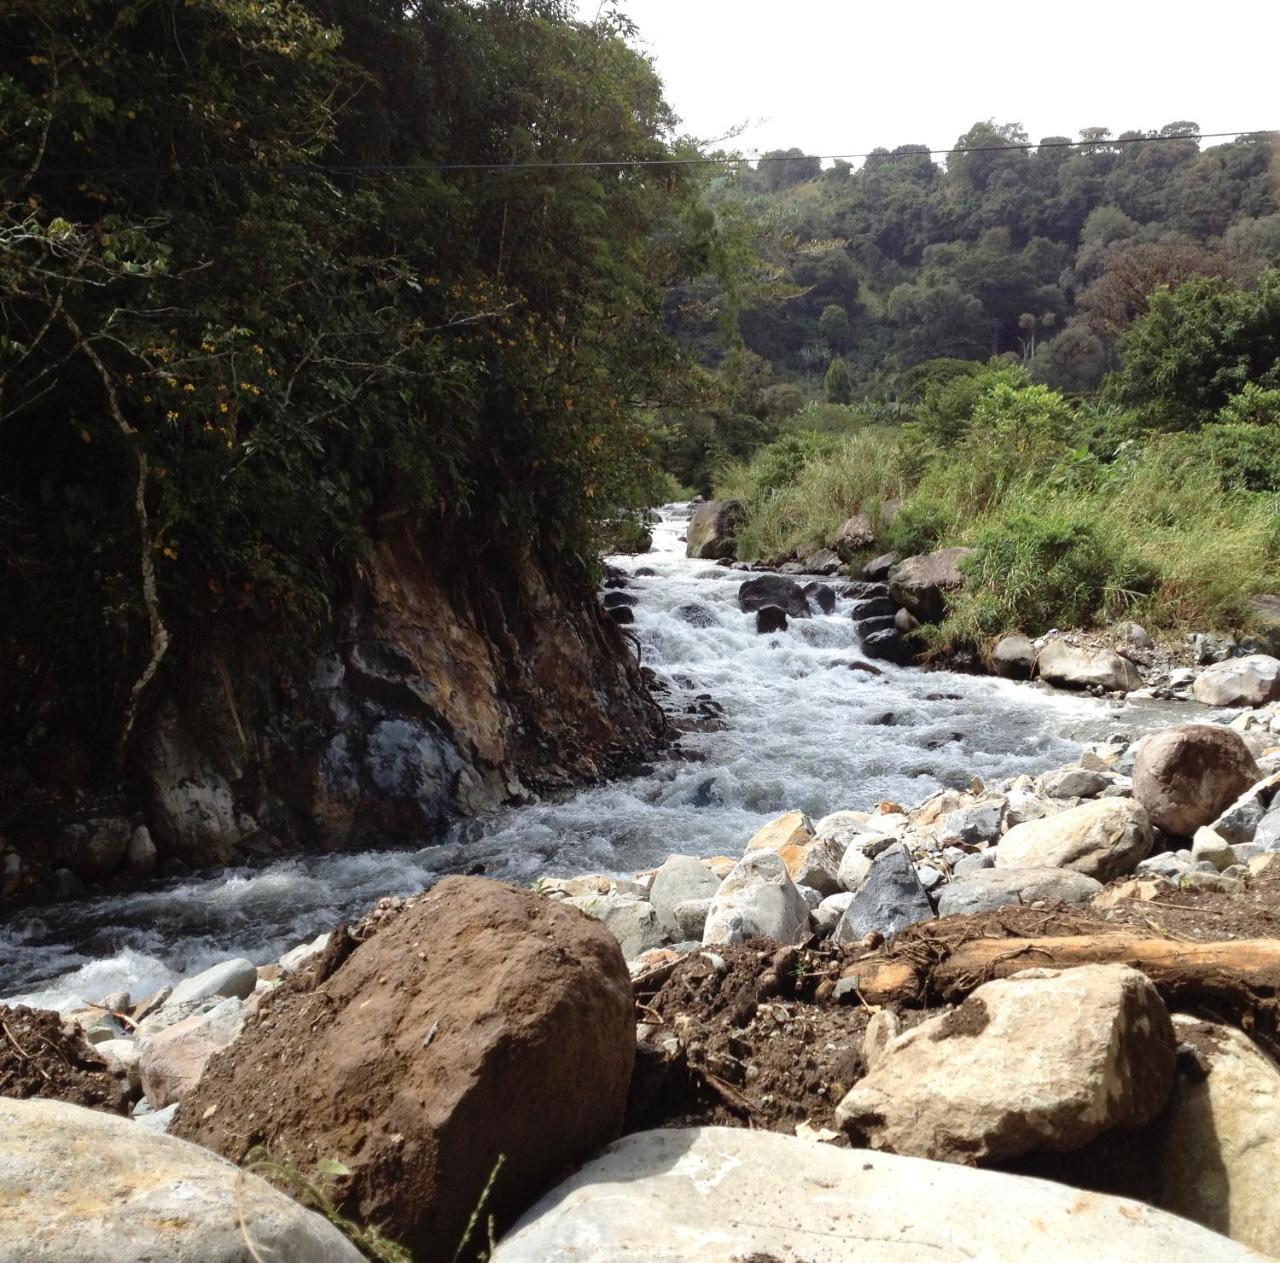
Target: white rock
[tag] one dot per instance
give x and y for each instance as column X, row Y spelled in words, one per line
column 629, row 918
column 758, row 898
column 715, row 1194
column 680, row 879
column 1064, row 664
column 79, row 1186
column 171, row 1061
column 1212, row 846
column 122, row 1055
column 1103, row 839
column 229, row 978
column 1040, row 1060
column 303, row 954
column 986, row 890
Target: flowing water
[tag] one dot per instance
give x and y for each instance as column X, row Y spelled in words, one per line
column 801, row 730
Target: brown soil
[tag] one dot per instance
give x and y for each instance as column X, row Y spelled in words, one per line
column 40, row 1057
column 1206, row 916
column 766, row 1043
column 761, row 1043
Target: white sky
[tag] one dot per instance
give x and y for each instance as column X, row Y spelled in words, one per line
column 843, row 76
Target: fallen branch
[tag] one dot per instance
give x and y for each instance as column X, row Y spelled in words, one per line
column 1245, row 973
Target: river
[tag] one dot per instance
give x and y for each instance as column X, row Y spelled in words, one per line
column 800, row 730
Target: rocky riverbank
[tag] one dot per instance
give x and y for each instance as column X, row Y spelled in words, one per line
column 898, row 596
column 1066, row 977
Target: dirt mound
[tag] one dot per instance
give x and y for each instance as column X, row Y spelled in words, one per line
column 480, row 1022
column 41, row 1057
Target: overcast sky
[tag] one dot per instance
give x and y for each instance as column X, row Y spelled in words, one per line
column 843, row 76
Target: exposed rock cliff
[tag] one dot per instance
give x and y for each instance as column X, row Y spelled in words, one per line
column 436, row 696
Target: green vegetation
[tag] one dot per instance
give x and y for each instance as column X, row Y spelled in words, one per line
column 1162, row 502
column 249, row 325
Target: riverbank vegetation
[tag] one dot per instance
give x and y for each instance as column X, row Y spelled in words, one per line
column 269, row 285
column 1159, row 498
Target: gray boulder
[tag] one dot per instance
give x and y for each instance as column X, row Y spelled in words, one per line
column 1251, row 681
column 890, row 898
column 993, row 888
column 79, row 1186
column 856, row 535
column 1073, row 782
column 757, row 899
column 713, row 528
column 228, row 978
column 1013, row 658
column 1103, row 839
column 715, row 1194
column 680, row 879
column 1041, row 1061
column 1069, row 667
column 878, row 568
column 921, row 583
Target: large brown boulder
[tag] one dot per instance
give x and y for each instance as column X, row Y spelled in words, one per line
column 712, row 529
column 482, row 1023
column 920, row 584
column 1187, row 776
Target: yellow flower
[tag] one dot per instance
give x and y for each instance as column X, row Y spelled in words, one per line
column 188, row 387
column 223, row 407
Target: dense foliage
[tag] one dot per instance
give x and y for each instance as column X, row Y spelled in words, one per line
column 1042, row 256
column 1161, row 501
column 247, row 317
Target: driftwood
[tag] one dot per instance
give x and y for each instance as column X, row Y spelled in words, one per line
column 1239, row 980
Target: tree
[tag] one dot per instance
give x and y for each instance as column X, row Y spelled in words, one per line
column 1073, row 362
column 836, row 386
column 835, row 329
column 1197, row 347
column 782, row 168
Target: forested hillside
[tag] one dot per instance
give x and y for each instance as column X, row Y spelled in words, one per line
column 276, row 312
column 245, row 316
column 1039, row 255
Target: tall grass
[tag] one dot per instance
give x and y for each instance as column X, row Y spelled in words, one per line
column 1061, row 537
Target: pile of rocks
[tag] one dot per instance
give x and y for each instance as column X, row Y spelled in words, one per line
column 1193, row 805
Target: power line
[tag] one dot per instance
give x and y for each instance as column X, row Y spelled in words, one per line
column 625, row 163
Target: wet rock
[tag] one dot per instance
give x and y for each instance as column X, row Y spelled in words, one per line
column 889, row 646
column 1251, row 681
column 102, row 1189
column 713, row 529
column 1070, row 667
column 890, row 898
column 622, row 615
column 612, row 600
column 770, row 619
column 1103, row 839
column 757, row 899
column 1040, row 1061
column 140, row 855
column 1220, row 1138
column 868, row 627
column 695, row 615
column 989, row 889
column 95, row 849
column 822, row 596
column 863, row 591
column 713, row 1194
column 481, row 1021
column 1188, row 775
column 878, row 568
column 171, row 1061
column 1014, row 658
column 766, row 590
column 921, row 583
column 228, row 978
column 873, row 607
column 680, row 879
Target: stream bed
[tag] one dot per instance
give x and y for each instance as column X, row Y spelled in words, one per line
column 800, row 730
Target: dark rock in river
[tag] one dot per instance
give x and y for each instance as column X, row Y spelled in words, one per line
column 785, row 593
column 770, row 618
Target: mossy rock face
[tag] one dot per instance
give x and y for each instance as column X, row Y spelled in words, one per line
column 713, row 528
